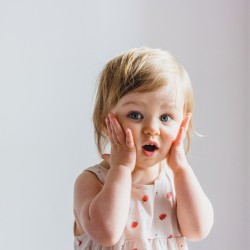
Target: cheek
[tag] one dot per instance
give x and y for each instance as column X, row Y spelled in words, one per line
column 123, row 124
column 175, row 133
column 126, row 124
column 171, row 134
column 134, row 131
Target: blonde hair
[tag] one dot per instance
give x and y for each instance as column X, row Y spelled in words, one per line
column 138, row 70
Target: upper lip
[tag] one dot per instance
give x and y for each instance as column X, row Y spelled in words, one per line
column 152, row 143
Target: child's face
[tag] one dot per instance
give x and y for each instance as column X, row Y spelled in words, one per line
column 154, row 119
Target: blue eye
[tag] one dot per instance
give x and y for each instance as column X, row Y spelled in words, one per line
column 165, row 118
column 135, row 115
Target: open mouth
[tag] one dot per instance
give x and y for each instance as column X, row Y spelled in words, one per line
column 150, row 147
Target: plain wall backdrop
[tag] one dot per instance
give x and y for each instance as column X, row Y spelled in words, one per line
column 248, row 112
column 51, row 53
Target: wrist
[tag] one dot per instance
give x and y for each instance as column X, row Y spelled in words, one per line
column 118, row 170
column 121, row 167
column 118, row 176
column 181, row 169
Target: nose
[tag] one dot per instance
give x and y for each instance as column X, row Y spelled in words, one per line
column 151, row 127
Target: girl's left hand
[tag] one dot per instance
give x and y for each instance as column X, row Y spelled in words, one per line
column 176, row 158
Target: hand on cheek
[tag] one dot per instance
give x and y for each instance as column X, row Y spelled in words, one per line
column 123, row 151
column 176, row 158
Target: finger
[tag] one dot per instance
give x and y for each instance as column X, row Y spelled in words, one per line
column 129, row 139
column 116, row 127
column 182, row 134
column 180, row 137
column 186, row 121
column 113, row 135
column 109, row 130
column 183, row 129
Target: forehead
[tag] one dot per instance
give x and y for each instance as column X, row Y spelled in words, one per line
column 167, row 96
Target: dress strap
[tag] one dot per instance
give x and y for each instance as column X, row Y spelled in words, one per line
column 99, row 171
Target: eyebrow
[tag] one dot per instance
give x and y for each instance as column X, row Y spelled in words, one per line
column 133, row 103
column 172, row 106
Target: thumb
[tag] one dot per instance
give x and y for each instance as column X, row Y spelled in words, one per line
column 105, row 157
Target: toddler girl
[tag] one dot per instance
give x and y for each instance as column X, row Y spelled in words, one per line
column 143, row 194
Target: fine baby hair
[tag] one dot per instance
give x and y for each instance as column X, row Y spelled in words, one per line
column 139, row 70
column 143, row 195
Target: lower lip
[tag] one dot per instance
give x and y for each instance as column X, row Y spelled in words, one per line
column 148, row 153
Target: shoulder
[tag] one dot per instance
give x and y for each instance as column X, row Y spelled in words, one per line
column 99, row 171
column 91, row 180
column 86, row 187
column 87, row 177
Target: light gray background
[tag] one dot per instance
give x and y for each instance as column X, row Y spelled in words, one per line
column 51, row 53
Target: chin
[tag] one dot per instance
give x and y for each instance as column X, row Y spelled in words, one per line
column 147, row 163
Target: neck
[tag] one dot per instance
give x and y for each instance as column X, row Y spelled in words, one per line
column 146, row 176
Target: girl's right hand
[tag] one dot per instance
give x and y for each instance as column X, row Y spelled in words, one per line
column 123, row 152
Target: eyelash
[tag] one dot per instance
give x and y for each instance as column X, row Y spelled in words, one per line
column 169, row 117
column 132, row 114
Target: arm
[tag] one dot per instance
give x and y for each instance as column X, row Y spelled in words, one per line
column 103, row 210
column 194, row 210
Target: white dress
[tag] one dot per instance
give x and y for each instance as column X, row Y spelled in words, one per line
column 151, row 222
